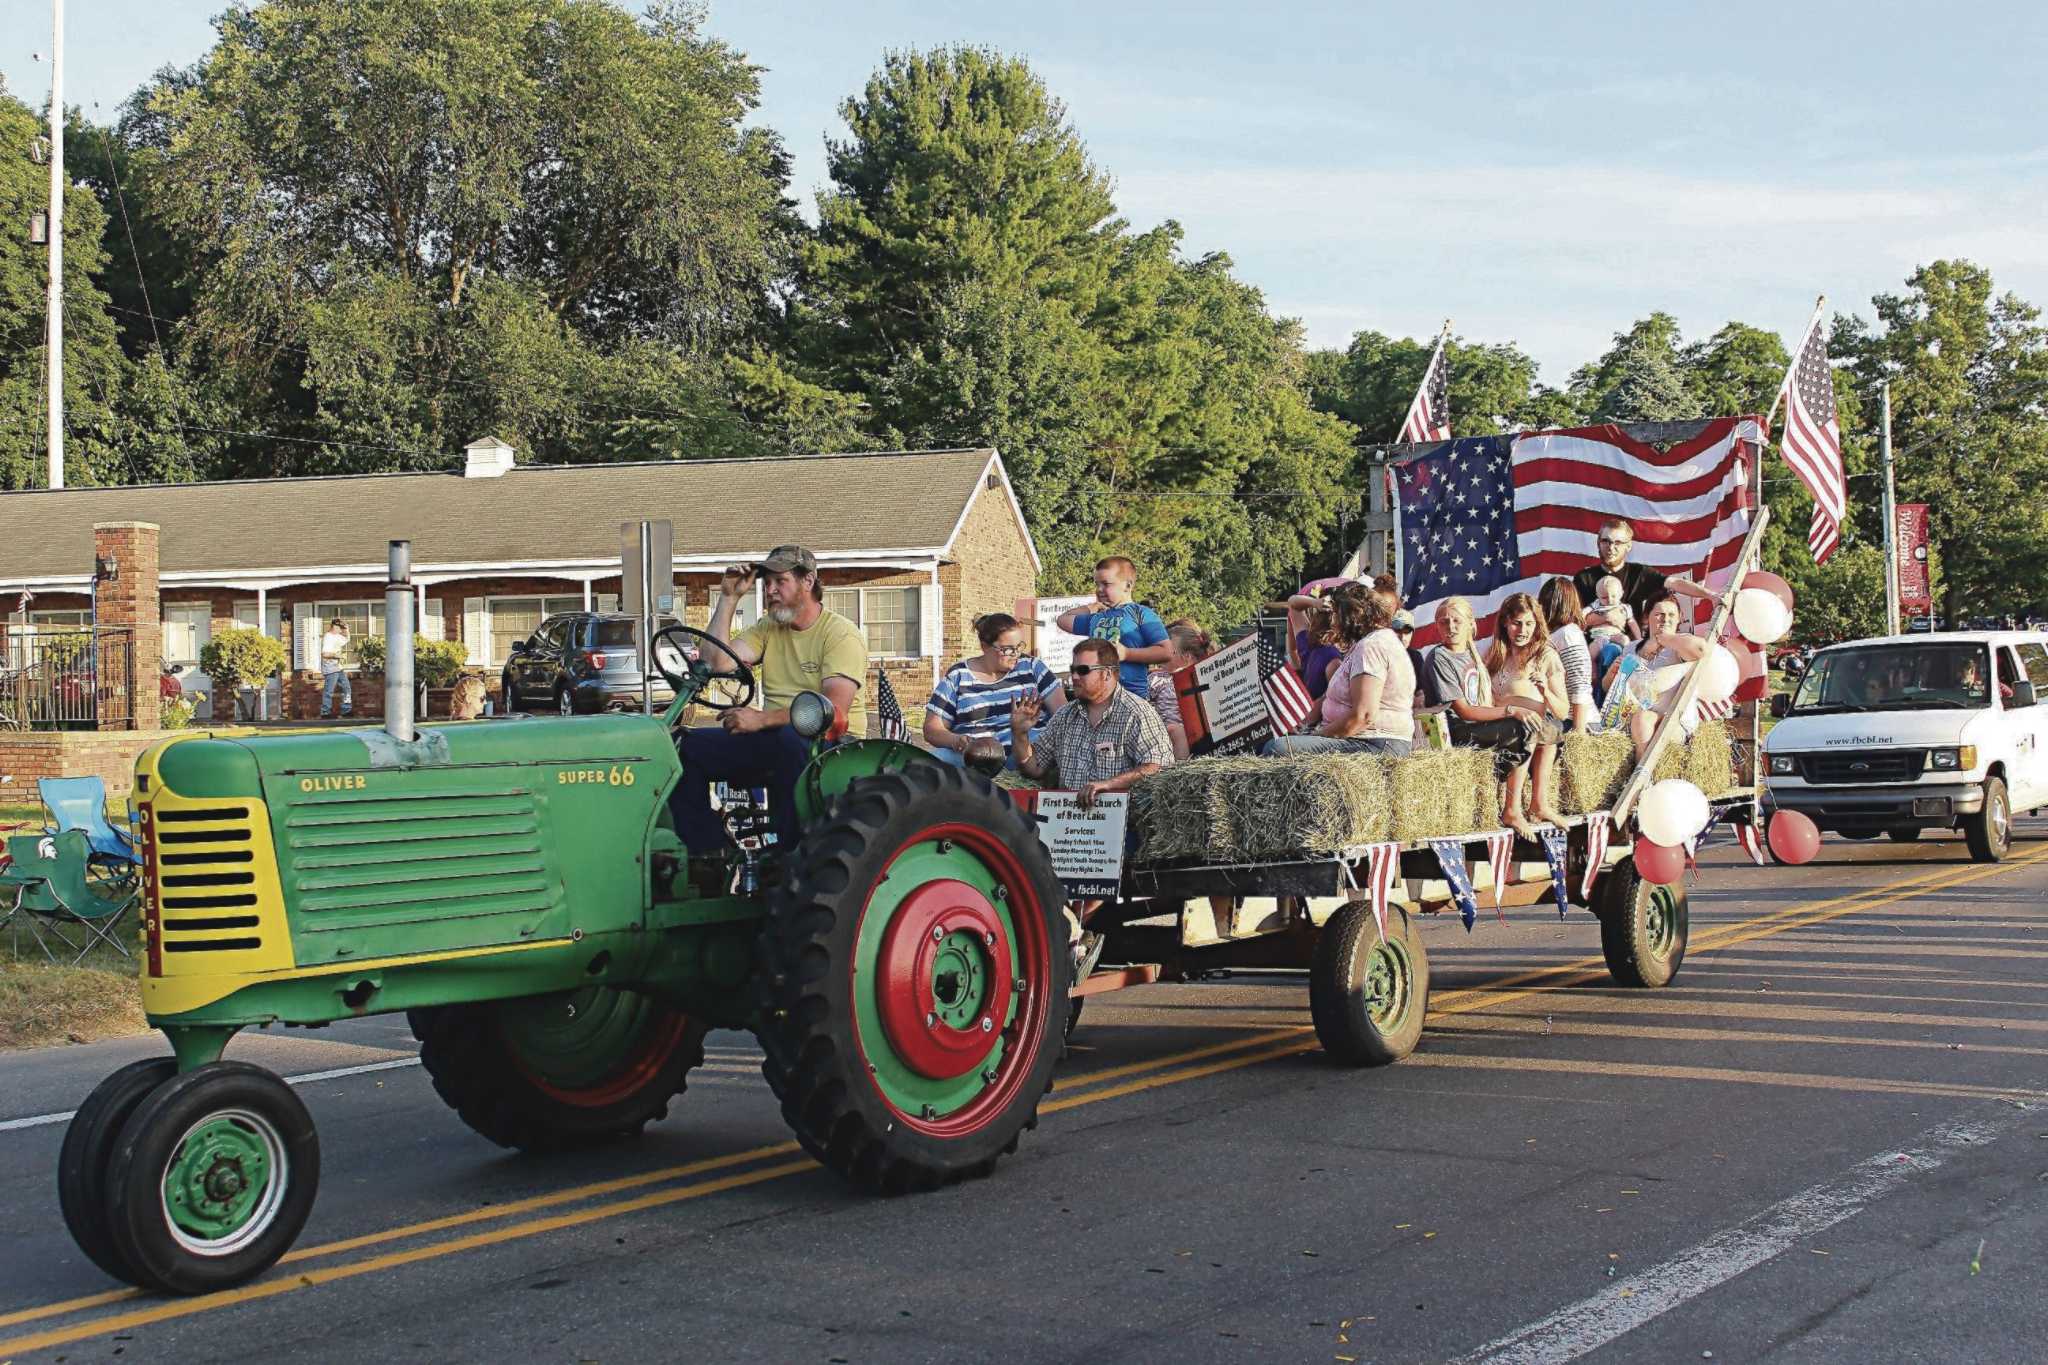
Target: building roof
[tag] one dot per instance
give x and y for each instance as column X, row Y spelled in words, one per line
column 889, row 506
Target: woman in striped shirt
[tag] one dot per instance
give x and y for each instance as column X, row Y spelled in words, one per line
column 968, row 714
column 1561, row 611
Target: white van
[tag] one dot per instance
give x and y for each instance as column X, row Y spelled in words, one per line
column 1912, row 732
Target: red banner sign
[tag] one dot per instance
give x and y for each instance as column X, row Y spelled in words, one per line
column 1909, row 543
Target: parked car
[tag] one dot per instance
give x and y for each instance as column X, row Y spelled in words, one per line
column 578, row 663
column 1915, row 732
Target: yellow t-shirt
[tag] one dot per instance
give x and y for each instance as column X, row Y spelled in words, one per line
column 794, row 661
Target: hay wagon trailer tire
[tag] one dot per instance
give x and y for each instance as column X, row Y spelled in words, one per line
column 913, row 980
column 1644, row 926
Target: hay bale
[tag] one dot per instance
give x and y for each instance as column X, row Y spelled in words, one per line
column 1591, row 770
column 1436, row 792
column 1171, row 808
column 1710, row 759
column 1314, row 803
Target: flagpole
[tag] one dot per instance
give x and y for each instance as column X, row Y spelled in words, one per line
column 1427, row 370
column 55, row 318
column 1891, row 525
column 1399, row 555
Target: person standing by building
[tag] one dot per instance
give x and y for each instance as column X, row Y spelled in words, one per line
column 1134, row 628
column 334, row 671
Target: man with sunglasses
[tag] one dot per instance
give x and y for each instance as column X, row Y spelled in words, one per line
column 1103, row 741
column 1641, row 585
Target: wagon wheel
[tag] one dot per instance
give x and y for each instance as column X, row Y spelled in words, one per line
column 1643, row 926
column 548, row 1073
column 914, row 980
column 211, row 1178
column 1368, row 992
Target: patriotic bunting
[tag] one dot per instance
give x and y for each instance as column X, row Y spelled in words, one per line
column 1552, row 840
column 1500, row 848
column 1382, row 862
column 1450, row 855
column 1596, row 851
column 1751, row 839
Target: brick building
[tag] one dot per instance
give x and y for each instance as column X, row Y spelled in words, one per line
column 912, row 545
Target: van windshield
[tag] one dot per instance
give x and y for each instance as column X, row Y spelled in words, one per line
column 1936, row 676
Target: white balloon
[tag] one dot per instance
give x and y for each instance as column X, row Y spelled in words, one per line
column 1761, row 617
column 1672, row 811
column 1720, row 673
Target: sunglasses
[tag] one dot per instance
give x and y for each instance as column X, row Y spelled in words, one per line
column 1083, row 670
column 1610, row 540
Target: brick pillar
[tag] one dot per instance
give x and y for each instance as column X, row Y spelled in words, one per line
column 129, row 601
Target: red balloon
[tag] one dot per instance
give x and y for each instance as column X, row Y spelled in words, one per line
column 1663, row 864
column 1770, row 583
column 1794, row 838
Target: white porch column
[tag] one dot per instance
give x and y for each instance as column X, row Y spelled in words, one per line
column 586, row 594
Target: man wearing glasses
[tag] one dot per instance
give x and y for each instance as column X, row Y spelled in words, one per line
column 1102, row 742
column 1641, row 586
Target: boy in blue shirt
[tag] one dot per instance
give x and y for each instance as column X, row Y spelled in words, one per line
column 1135, row 628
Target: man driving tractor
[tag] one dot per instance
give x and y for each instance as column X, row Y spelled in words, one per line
column 797, row 646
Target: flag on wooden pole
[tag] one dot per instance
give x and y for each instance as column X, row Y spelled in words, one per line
column 1287, row 700
column 1812, row 443
column 888, row 709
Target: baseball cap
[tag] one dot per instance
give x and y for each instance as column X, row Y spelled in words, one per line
column 789, row 559
column 1404, row 619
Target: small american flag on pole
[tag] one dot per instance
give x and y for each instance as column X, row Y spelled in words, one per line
column 1812, row 443
column 1429, row 415
column 886, row 707
column 1287, row 698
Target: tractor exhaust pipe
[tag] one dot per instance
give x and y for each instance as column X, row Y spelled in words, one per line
column 398, row 633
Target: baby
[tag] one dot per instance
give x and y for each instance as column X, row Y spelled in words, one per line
column 1609, row 617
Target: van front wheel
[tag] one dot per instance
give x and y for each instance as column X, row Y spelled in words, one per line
column 1989, row 831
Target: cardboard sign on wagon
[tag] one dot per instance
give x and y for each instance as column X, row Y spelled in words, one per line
column 1222, row 704
column 1086, row 843
column 1053, row 646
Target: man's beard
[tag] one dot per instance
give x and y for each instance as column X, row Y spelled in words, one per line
column 782, row 616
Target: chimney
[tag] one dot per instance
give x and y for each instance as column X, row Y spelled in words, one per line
column 489, row 458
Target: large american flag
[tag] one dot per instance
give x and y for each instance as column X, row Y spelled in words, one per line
column 1429, row 415
column 1813, row 439
column 1485, row 516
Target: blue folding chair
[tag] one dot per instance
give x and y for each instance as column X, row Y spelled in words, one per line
column 47, row 878
column 81, row 803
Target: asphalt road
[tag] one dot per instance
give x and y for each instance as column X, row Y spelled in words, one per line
column 1828, row 1140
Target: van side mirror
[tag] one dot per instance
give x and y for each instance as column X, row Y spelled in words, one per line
column 1781, row 705
column 2022, row 694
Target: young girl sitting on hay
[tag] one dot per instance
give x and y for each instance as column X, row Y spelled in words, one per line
column 1528, row 677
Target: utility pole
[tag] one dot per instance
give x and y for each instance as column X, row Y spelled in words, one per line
column 56, row 305
column 1891, row 526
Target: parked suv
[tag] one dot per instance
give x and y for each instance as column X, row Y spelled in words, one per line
column 578, row 663
column 1915, row 732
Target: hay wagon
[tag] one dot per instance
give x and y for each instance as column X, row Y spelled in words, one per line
column 1327, row 863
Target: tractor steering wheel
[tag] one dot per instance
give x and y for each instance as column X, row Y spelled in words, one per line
column 701, row 673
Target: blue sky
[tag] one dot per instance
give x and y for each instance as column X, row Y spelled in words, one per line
column 1539, row 173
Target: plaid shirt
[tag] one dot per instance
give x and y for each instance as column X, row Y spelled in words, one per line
column 1130, row 736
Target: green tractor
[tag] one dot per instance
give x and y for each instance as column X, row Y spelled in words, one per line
column 518, row 888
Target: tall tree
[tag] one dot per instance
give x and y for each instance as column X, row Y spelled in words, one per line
column 428, row 219
column 1493, row 387
column 1639, row 379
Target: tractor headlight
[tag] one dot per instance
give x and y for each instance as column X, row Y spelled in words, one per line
column 1953, row 760
column 1784, row 765
column 810, row 714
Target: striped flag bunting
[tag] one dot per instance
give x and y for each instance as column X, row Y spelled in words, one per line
column 1450, row 855
column 1596, row 851
column 1552, row 839
column 1382, row 863
column 1429, row 413
column 1485, row 516
column 1812, row 443
column 1499, row 849
column 1288, row 703
column 888, row 709
column 1751, row 838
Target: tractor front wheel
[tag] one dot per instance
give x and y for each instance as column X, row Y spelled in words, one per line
column 914, row 975
column 89, row 1147
column 553, row 1072
column 211, row 1178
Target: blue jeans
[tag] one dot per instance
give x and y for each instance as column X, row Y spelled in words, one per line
column 1604, row 655
column 330, row 685
column 774, row 759
column 1286, row 746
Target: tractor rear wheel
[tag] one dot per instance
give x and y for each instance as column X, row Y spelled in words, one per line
column 211, row 1178
column 89, row 1146
column 913, row 975
column 1368, row 992
column 552, row 1072
column 1643, row 926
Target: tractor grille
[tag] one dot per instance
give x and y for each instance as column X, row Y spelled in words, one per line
column 204, row 865
column 396, row 858
column 1855, row 767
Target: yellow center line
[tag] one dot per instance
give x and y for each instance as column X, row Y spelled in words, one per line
column 1169, row 1070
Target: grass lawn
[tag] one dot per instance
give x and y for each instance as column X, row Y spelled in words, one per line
column 42, row 1004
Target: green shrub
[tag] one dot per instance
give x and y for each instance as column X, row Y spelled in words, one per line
column 178, row 714
column 435, row 663
column 242, row 658
column 65, row 651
